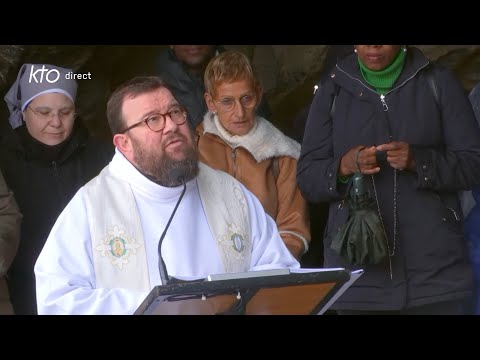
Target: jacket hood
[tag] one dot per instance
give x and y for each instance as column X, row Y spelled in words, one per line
column 348, row 69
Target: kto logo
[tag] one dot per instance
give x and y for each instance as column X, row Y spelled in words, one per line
column 50, row 76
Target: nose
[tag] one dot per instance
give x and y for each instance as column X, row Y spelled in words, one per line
column 170, row 125
column 238, row 109
column 55, row 120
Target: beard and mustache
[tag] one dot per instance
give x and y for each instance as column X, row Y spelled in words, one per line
column 164, row 169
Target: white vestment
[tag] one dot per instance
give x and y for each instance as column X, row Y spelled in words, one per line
column 65, row 271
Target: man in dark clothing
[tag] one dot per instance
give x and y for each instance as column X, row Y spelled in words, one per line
column 182, row 67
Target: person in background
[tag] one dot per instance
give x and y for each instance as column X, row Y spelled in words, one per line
column 466, row 197
column 234, row 139
column 10, row 219
column 335, row 53
column 472, row 233
column 318, row 211
column 415, row 155
column 183, row 66
column 45, row 158
column 263, row 59
column 102, row 255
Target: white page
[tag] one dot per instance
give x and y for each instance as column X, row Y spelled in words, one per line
column 248, row 274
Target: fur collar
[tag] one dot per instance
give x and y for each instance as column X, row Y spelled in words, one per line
column 263, row 141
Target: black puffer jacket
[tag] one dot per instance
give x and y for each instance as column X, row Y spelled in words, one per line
column 43, row 183
column 430, row 263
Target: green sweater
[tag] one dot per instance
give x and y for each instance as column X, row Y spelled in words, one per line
column 383, row 80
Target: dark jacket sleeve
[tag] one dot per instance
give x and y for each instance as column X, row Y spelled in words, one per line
column 10, row 219
column 318, row 166
column 456, row 165
column 472, row 232
column 474, row 98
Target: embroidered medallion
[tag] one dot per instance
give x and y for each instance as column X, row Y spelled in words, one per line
column 234, row 239
column 237, row 241
column 117, row 247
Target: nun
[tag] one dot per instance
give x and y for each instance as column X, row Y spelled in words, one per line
column 45, row 158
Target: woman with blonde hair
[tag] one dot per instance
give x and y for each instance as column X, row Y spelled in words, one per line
column 233, row 138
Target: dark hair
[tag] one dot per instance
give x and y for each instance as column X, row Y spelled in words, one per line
column 131, row 88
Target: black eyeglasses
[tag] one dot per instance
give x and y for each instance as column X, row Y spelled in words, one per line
column 156, row 122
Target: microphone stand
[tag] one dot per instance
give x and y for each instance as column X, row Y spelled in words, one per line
column 161, row 264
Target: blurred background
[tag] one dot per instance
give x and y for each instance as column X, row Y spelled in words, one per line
column 288, row 72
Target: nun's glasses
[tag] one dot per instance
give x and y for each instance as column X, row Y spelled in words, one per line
column 46, row 113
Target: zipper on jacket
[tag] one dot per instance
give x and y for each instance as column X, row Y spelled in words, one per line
column 457, row 218
column 384, row 104
column 382, row 97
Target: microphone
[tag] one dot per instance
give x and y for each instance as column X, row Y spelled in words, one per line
column 162, row 268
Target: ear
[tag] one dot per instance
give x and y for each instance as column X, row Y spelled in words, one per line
column 122, row 142
column 211, row 104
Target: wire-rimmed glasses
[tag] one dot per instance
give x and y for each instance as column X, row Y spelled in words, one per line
column 228, row 103
column 46, row 113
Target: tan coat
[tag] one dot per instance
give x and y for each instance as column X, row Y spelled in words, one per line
column 250, row 159
column 10, row 219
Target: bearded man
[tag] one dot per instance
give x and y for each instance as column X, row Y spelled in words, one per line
column 102, row 254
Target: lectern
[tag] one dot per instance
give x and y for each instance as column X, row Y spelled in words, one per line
column 291, row 293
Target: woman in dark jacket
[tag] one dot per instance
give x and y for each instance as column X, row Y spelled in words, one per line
column 378, row 115
column 46, row 158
